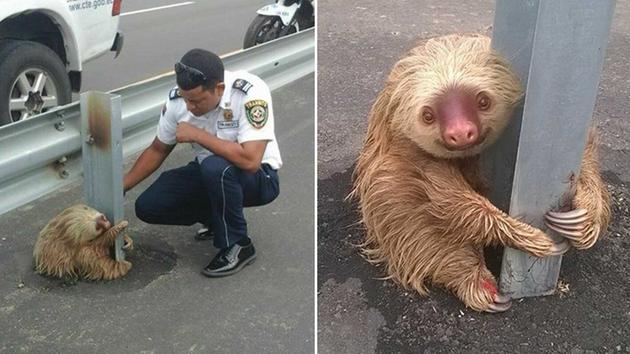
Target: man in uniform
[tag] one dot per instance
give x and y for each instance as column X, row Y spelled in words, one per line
column 228, row 119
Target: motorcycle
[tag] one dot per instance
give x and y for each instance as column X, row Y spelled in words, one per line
column 280, row 19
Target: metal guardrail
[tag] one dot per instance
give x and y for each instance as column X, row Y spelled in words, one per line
column 42, row 154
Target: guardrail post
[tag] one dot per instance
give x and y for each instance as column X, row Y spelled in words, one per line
column 101, row 133
column 557, row 47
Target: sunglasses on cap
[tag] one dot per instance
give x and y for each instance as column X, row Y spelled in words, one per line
column 191, row 74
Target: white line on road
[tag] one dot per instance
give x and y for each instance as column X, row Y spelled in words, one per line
column 172, row 72
column 157, row 8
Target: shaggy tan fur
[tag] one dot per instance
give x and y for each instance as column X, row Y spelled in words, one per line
column 591, row 195
column 422, row 205
column 71, row 245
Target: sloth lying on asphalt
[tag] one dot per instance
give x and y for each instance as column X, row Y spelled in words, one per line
column 76, row 243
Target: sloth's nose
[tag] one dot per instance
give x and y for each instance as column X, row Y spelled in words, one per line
column 460, row 135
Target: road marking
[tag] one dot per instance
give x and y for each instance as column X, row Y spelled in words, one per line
column 172, row 72
column 157, row 8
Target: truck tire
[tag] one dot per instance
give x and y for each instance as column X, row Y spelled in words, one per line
column 264, row 29
column 33, row 80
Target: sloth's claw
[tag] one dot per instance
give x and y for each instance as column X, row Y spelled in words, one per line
column 573, row 217
column 501, row 299
column 576, row 227
column 566, row 221
column 499, row 306
column 568, row 224
column 560, row 248
column 572, row 233
column 573, row 214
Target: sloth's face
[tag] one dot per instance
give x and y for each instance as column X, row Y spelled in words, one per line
column 80, row 223
column 453, row 96
column 460, row 122
column 102, row 224
column 96, row 223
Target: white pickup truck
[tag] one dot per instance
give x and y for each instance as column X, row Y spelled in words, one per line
column 43, row 45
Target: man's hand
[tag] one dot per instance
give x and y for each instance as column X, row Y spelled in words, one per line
column 188, row 133
column 150, row 159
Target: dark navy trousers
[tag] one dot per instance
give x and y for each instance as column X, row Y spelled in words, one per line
column 212, row 192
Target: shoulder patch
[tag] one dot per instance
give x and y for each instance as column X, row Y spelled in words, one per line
column 257, row 113
column 174, row 94
column 242, row 85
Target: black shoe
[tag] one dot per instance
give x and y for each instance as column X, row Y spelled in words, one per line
column 204, row 234
column 230, row 260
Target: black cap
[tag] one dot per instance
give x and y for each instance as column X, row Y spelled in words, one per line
column 203, row 61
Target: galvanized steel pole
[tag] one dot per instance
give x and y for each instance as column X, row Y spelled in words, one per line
column 557, row 47
column 101, row 133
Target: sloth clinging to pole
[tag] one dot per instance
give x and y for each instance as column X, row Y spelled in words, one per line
column 76, row 243
column 418, row 182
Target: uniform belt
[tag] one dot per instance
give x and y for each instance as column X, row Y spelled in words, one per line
column 264, row 164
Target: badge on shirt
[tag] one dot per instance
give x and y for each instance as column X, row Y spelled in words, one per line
column 174, row 93
column 257, row 113
column 227, row 114
column 242, row 85
column 227, row 124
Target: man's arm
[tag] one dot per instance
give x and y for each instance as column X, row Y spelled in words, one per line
column 246, row 156
column 149, row 161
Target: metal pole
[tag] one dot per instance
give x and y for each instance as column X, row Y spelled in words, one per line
column 557, row 47
column 101, row 133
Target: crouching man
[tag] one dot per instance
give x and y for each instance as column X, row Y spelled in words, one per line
column 227, row 118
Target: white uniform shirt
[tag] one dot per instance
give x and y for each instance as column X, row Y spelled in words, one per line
column 245, row 125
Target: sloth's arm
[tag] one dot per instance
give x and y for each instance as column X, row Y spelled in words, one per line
column 110, row 235
column 463, row 216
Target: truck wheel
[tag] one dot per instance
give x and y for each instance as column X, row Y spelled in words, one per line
column 264, row 29
column 32, row 80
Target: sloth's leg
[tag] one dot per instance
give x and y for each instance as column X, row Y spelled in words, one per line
column 115, row 269
column 97, row 265
column 464, row 272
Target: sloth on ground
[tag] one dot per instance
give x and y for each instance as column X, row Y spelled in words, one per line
column 76, row 243
column 420, row 191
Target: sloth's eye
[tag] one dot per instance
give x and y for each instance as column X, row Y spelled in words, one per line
column 427, row 115
column 483, row 101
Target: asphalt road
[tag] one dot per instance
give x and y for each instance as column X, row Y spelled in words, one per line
column 358, row 42
column 164, row 305
column 155, row 40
